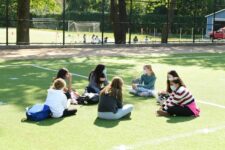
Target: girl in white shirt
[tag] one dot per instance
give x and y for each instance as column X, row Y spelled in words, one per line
column 57, row 100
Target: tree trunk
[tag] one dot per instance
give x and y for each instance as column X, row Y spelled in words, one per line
column 23, row 24
column 123, row 21
column 118, row 17
column 167, row 28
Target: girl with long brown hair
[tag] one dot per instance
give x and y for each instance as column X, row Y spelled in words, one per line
column 111, row 101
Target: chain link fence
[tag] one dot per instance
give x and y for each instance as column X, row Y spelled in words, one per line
column 145, row 22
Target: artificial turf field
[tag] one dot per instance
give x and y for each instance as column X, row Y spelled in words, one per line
column 24, row 83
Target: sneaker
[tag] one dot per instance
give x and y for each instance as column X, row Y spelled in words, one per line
column 133, row 92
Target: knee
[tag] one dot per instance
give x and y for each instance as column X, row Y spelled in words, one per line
column 129, row 107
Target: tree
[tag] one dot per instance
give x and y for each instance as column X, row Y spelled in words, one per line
column 118, row 16
column 23, row 17
column 85, row 5
column 167, row 27
column 23, row 23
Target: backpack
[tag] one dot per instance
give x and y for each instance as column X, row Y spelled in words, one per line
column 38, row 112
column 88, row 99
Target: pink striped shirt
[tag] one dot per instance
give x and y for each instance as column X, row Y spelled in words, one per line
column 182, row 97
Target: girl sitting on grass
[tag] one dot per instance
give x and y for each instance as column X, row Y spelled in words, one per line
column 97, row 79
column 146, row 84
column 64, row 74
column 111, row 102
column 163, row 95
column 180, row 101
column 57, row 100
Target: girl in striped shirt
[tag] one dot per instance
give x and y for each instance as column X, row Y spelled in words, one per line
column 180, row 101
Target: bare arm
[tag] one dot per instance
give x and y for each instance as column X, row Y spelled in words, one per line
column 70, row 82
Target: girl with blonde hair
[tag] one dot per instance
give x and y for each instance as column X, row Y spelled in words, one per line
column 145, row 85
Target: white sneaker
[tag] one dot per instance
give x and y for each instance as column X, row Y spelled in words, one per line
column 132, row 91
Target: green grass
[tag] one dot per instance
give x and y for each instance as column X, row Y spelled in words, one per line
column 203, row 74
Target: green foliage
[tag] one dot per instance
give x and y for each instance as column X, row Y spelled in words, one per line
column 43, row 7
column 85, row 5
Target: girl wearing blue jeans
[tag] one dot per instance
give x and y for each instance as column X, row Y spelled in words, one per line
column 111, row 102
column 146, row 84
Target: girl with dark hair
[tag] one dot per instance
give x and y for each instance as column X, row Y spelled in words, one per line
column 172, row 74
column 111, row 101
column 64, row 74
column 163, row 95
column 180, row 101
column 97, row 79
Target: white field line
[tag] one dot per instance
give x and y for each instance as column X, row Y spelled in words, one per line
column 169, row 138
column 14, row 65
column 48, row 69
column 211, row 104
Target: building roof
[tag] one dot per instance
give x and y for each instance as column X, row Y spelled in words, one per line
column 215, row 13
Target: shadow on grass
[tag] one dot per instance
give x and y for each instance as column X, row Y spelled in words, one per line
column 32, row 83
column 47, row 122
column 215, row 61
column 132, row 99
column 108, row 123
column 179, row 119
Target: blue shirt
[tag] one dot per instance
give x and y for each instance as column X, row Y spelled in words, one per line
column 147, row 82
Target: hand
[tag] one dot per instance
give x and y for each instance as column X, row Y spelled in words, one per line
column 134, row 86
column 162, row 92
column 102, row 79
column 77, row 94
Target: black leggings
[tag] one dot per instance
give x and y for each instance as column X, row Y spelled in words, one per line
column 69, row 112
column 180, row 111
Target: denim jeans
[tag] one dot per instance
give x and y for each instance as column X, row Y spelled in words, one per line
column 119, row 114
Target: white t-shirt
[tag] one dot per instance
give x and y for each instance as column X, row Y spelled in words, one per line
column 57, row 101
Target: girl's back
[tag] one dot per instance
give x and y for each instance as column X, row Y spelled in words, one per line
column 57, row 102
column 108, row 103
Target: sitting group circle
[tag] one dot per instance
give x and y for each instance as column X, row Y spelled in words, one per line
column 176, row 100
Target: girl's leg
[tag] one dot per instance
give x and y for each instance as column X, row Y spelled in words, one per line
column 160, row 112
column 124, row 111
column 92, row 90
column 107, row 115
column 145, row 92
column 180, row 111
column 69, row 112
column 132, row 91
column 120, row 113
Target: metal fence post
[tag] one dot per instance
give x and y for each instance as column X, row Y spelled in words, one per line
column 167, row 21
column 214, row 19
column 194, row 21
column 7, row 22
column 103, row 20
column 64, row 15
column 130, row 20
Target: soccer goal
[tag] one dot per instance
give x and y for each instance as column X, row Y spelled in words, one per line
column 83, row 26
column 45, row 23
